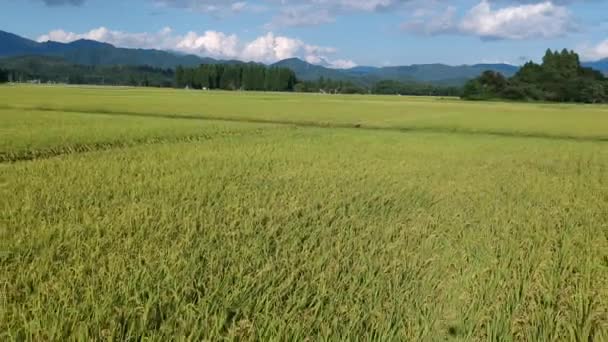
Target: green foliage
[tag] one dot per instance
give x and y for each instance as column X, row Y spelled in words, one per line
column 4, row 75
column 236, row 77
column 389, row 87
column 559, row 78
column 384, row 87
column 149, row 226
column 488, row 85
column 55, row 70
column 329, row 86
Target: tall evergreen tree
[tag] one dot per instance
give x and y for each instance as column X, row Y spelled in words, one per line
column 237, row 76
column 560, row 77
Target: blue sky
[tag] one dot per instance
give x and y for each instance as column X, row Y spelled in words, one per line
column 337, row 33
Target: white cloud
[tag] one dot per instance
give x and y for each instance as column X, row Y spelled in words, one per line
column 210, row 43
column 521, row 21
column 268, row 48
column 161, row 39
column 594, row 52
column 342, row 64
column 540, row 20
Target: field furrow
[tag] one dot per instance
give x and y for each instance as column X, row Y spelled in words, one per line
column 51, row 134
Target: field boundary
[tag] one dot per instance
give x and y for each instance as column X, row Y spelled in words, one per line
column 47, row 153
column 359, row 126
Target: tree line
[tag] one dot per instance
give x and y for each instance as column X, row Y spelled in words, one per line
column 329, row 86
column 389, row 87
column 259, row 77
column 255, row 77
column 560, row 78
column 4, row 75
column 236, row 77
column 55, row 70
column 385, row 87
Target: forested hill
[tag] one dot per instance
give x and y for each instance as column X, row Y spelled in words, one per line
column 438, row 74
column 560, row 78
column 89, row 52
column 56, row 70
column 601, row 65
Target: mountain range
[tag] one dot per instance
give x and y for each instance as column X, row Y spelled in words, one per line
column 439, row 74
column 89, row 52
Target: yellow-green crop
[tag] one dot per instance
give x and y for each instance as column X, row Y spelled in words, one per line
column 159, row 214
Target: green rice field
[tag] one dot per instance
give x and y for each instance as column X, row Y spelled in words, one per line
column 131, row 214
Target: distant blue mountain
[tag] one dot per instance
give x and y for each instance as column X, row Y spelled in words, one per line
column 426, row 73
column 363, row 70
column 601, row 65
column 89, row 52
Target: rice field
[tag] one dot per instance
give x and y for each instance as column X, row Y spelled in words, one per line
column 130, row 214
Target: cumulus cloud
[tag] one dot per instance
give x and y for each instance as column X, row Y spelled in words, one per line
column 267, row 48
column 520, row 21
column 540, row 20
column 210, row 43
column 162, row 39
column 594, row 52
column 334, row 64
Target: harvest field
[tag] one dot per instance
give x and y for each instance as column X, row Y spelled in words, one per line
column 172, row 214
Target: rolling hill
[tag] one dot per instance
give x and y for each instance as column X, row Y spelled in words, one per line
column 58, row 70
column 425, row 73
column 89, row 52
column 308, row 72
column 601, row 65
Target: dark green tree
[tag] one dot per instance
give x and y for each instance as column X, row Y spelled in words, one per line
column 4, row 76
column 560, row 78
